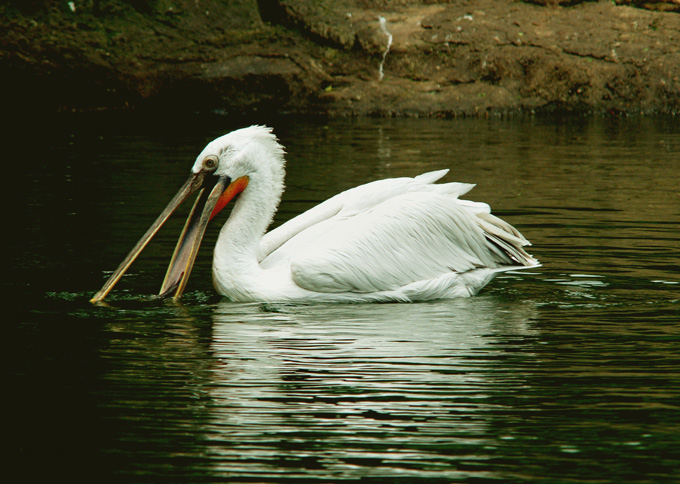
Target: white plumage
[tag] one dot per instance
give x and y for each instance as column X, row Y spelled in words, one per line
column 401, row 239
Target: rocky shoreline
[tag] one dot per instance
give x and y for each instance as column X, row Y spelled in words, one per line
column 342, row 58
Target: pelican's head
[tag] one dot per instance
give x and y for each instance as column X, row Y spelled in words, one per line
column 242, row 152
column 221, row 171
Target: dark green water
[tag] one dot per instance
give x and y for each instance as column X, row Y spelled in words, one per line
column 568, row 374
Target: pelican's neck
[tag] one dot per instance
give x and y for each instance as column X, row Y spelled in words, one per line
column 236, row 252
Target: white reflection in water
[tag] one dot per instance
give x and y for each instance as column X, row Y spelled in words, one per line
column 380, row 381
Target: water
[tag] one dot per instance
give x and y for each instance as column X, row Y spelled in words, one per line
column 565, row 374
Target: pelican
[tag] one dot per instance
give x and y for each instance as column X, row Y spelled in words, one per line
column 397, row 239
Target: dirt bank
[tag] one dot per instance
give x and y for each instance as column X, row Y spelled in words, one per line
column 331, row 57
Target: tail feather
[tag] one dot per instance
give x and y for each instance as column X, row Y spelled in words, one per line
column 506, row 238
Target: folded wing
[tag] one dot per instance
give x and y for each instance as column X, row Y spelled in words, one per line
column 388, row 234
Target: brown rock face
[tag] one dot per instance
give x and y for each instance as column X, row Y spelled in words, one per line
column 332, row 57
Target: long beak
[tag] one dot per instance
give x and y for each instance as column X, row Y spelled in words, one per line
column 194, row 183
column 210, row 200
column 190, row 240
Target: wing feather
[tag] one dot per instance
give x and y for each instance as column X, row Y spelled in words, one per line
column 408, row 238
column 283, row 242
column 390, row 233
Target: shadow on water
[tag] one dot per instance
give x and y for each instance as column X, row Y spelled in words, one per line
column 567, row 374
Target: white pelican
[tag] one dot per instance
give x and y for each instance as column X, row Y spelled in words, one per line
column 398, row 239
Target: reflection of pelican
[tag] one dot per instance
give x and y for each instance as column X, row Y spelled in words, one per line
column 345, row 384
column 400, row 239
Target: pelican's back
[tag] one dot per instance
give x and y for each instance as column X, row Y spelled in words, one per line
column 388, row 234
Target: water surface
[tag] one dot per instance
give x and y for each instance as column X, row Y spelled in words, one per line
column 565, row 374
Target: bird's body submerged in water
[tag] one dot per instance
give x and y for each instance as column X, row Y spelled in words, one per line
column 399, row 239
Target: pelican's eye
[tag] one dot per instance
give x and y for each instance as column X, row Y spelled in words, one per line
column 210, row 163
